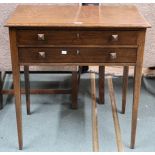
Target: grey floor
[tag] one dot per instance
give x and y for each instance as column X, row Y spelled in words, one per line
column 53, row 126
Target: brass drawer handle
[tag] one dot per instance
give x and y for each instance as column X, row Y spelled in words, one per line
column 78, row 52
column 115, row 37
column 41, row 36
column 78, row 35
column 42, row 54
column 63, row 52
column 113, row 55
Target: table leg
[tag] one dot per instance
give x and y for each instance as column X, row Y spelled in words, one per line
column 74, row 89
column 16, row 83
column 137, row 85
column 27, row 88
column 79, row 76
column 101, row 84
column 124, row 87
column 136, row 96
column 17, row 93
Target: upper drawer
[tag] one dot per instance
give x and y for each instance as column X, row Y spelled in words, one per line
column 53, row 37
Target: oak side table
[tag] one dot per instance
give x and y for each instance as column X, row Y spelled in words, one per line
column 77, row 36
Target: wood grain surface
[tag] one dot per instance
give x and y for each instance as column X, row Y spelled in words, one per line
column 77, row 16
column 85, row 55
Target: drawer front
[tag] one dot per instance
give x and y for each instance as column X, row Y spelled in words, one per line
column 45, row 37
column 51, row 37
column 80, row 55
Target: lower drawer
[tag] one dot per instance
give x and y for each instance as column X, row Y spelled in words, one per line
column 77, row 55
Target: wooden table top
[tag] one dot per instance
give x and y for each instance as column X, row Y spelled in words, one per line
column 123, row 16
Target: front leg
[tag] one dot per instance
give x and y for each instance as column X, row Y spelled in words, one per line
column 136, row 96
column 16, row 83
column 137, row 86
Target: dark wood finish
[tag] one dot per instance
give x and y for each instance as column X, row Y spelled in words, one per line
column 94, row 114
column 30, row 37
column 91, row 55
column 16, row 82
column 124, row 87
column 1, row 95
column 101, row 84
column 27, row 88
column 81, row 64
column 74, row 84
column 115, row 116
column 79, row 75
column 104, row 35
column 78, row 46
column 40, row 91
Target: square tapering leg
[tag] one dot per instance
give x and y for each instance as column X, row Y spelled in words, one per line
column 27, row 88
column 16, row 83
column 74, row 92
column 124, row 87
column 101, row 84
